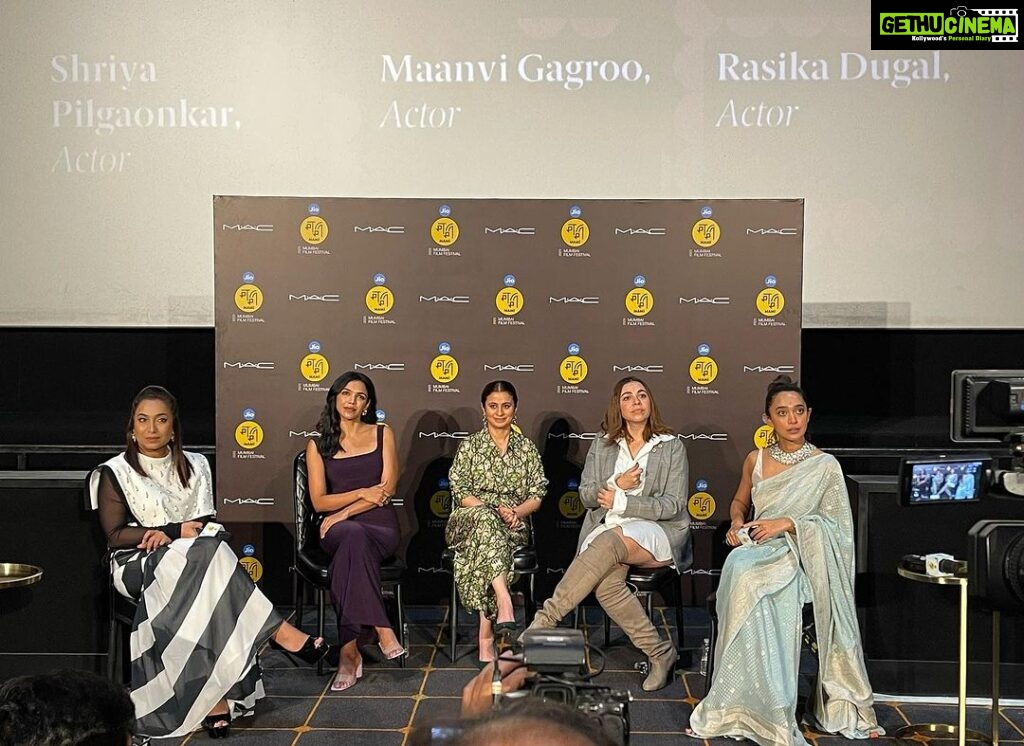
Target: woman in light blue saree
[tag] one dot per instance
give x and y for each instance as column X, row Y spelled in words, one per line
column 798, row 548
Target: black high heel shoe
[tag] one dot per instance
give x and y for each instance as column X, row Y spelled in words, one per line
column 219, row 725
column 310, row 652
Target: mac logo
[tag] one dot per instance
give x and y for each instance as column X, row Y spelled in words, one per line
column 501, row 368
column 261, row 228
column 330, row 298
column 703, row 436
column 266, row 501
column 587, row 299
column 379, row 366
column 716, row 301
column 510, row 231
column 444, row 299
column 457, row 435
column 769, row 368
column 772, row 231
column 641, row 231
column 639, row 368
column 245, row 364
column 378, row 229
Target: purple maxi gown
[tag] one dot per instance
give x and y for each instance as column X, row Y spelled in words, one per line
column 358, row 546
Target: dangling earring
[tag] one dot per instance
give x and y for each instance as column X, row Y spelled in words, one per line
column 133, row 438
column 171, row 440
column 365, row 411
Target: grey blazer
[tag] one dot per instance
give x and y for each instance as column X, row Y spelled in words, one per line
column 662, row 499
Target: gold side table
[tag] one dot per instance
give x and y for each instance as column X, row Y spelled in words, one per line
column 14, row 575
column 960, row 730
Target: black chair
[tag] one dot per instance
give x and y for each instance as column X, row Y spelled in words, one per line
column 645, row 582
column 120, row 609
column 311, row 562
column 524, row 563
column 120, row 618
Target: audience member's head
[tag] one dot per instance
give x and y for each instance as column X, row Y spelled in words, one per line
column 66, row 708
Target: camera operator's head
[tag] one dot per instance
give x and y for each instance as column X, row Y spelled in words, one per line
column 66, row 708
column 531, row 720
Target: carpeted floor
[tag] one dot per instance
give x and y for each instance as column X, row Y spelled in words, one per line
column 389, row 701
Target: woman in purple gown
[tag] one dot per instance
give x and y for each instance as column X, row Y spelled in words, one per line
column 353, row 470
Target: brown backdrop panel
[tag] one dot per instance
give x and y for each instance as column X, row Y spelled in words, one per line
column 701, row 298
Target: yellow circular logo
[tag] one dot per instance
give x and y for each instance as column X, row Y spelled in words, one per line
column 770, row 302
column 703, row 369
column 509, row 301
column 441, row 503
column 379, row 299
column 639, row 301
column 249, row 434
column 444, row 231
column 248, row 298
column 701, row 506
column 313, row 229
column 252, row 566
column 570, row 505
column 763, row 436
column 706, row 233
column 444, row 368
column 573, row 369
column 575, row 232
column 314, row 367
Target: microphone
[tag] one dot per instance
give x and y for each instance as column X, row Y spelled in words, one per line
column 937, row 565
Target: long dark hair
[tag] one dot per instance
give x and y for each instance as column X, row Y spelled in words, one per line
column 612, row 423
column 181, row 464
column 329, row 441
column 499, row 387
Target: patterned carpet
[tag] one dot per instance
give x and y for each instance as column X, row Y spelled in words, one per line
column 389, row 702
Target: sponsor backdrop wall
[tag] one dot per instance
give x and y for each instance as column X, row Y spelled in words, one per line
column 434, row 298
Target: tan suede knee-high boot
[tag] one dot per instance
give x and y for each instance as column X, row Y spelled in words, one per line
column 604, row 554
column 625, row 609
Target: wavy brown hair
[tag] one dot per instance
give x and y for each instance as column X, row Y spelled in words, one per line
column 181, row 464
column 612, row 423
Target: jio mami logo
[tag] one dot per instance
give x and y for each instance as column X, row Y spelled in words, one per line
column 764, row 436
column 575, row 231
column 509, row 300
column 569, row 504
column 379, row 298
column 701, row 504
column 639, row 300
column 703, row 368
column 249, row 434
column 573, row 368
column 444, row 230
column 314, row 366
column 441, row 500
column 705, row 233
column 248, row 297
column 444, row 368
column 313, row 229
column 770, row 301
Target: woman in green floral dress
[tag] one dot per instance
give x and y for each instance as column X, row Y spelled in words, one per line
column 496, row 481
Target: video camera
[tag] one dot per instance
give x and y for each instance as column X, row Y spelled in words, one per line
column 558, row 658
column 987, row 406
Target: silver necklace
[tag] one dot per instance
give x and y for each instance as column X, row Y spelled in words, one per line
column 789, row 458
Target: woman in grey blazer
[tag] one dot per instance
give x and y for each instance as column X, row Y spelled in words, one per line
column 634, row 487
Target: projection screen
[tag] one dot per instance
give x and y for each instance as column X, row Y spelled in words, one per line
column 122, row 120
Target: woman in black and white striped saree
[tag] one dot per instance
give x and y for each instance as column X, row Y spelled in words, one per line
column 200, row 619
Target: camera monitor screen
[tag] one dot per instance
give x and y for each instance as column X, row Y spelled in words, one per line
column 986, row 405
column 943, row 480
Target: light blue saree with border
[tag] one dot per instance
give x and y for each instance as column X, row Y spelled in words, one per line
column 761, row 596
